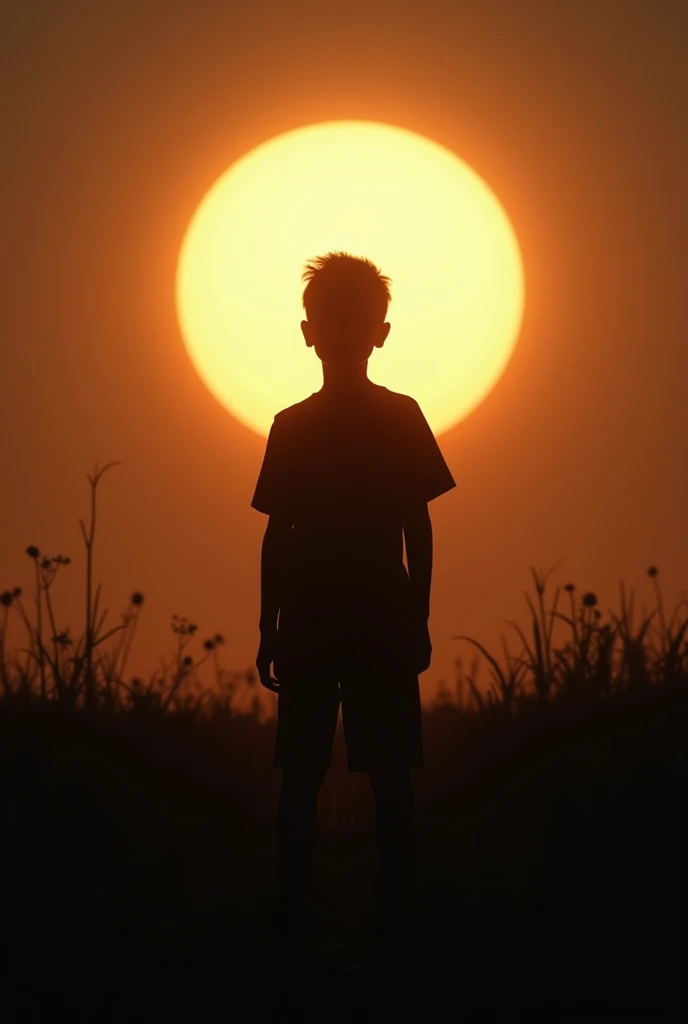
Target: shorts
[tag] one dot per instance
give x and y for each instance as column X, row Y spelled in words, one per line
column 381, row 715
column 348, row 641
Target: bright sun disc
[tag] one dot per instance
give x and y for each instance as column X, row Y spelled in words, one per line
column 411, row 206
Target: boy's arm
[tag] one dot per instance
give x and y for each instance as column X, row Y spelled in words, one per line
column 418, row 539
column 273, row 553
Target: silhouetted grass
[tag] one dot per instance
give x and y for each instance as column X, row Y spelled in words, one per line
column 138, row 816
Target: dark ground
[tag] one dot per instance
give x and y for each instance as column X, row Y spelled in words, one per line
column 137, row 864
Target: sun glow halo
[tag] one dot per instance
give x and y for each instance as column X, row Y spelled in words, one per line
column 420, row 213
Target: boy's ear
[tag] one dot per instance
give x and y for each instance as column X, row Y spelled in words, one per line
column 305, row 328
column 382, row 336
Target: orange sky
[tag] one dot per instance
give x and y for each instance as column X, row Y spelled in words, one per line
column 120, row 116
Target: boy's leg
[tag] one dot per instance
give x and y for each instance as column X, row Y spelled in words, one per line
column 395, row 809
column 296, row 825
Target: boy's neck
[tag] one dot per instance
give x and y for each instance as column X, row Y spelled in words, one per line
column 350, row 378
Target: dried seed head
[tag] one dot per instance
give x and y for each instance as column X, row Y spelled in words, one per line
column 137, row 598
column 188, row 660
column 16, row 592
column 219, row 639
column 32, row 551
column 6, row 598
column 652, row 571
column 570, row 587
column 589, row 600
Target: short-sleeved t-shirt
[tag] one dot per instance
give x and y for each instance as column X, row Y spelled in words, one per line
column 344, row 470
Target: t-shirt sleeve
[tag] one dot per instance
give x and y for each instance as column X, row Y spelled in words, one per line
column 271, row 495
column 427, row 474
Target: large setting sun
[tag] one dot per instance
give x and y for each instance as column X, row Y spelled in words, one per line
column 376, row 190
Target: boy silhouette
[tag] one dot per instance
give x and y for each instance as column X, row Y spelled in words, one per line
column 346, row 477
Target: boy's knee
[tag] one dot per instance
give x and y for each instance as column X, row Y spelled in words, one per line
column 391, row 783
column 307, row 777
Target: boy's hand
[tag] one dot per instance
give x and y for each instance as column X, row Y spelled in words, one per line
column 422, row 647
column 264, row 659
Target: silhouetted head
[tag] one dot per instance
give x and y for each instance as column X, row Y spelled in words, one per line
column 346, row 301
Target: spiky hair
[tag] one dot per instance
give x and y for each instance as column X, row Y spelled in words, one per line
column 338, row 282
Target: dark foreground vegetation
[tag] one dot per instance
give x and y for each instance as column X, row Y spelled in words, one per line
column 138, row 816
